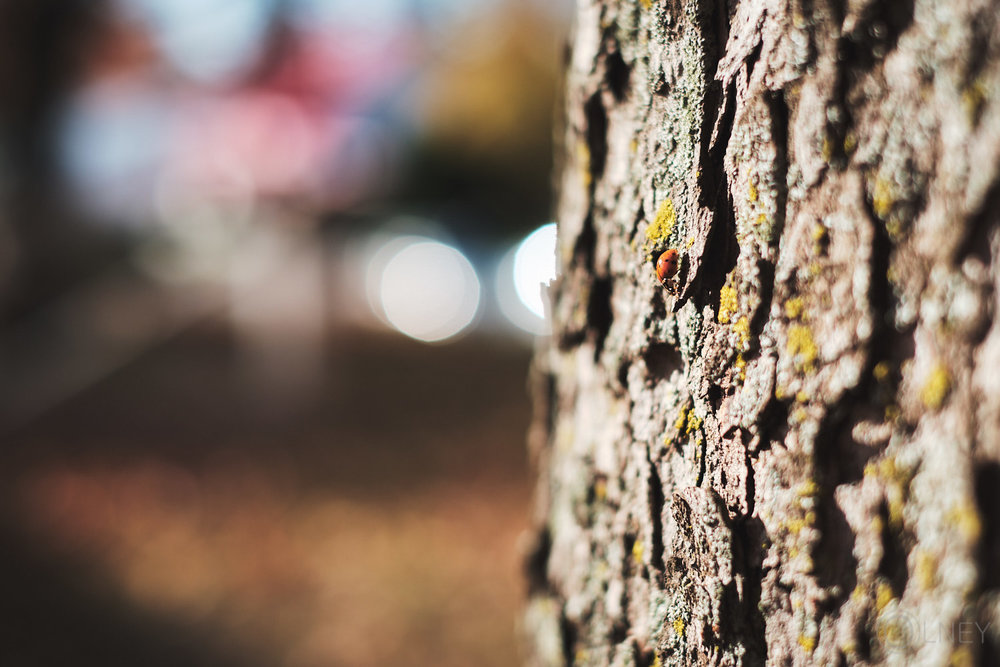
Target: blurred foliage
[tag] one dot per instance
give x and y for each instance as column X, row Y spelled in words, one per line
column 485, row 159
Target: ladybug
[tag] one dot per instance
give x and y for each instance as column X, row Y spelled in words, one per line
column 666, row 267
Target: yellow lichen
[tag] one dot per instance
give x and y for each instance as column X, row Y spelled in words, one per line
column 742, row 327
column 681, row 418
column 793, row 308
column 895, row 509
column 637, row 552
column 663, row 224
column 881, row 371
column 693, row 422
column 807, row 643
column 827, row 149
column 646, row 4
column 894, row 228
column 965, row 517
column 795, row 526
column 883, row 596
column 752, row 191
column 896, row 479
column 961, row 656
column 728, row 304
column 583, row 157
column 801, row 397
column 690, row 242
column 882, row 198
column 802, row 347
column 820, row 236
column 807, row 489
column 893, row 630
column 761, row 219
column 886, row 468
column 741, row 364
column 936, row 387
column 973, row 98
column 679, row 627
column 850, row 143
column 926, row 570
column 601, row 489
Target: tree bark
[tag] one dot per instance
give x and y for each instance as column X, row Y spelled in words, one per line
column 795, row 459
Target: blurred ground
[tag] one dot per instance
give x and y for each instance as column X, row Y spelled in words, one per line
column 162, row 517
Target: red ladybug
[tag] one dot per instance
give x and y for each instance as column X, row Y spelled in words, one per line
column 666, row 267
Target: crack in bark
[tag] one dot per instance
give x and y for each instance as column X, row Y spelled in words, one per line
column 718, row 112
column 721, row 247
column 596, row 136
column 886, row 343
column 618, row 74
column 976, row 241
column 568, row 632
column 599, row 314
column 987, row 492
column 662, row 360
column 656, row 503
column 702, row 455
column 749, row 532
column 896, row 546
column 833, row 551
column 777, row 106
column 536, row 563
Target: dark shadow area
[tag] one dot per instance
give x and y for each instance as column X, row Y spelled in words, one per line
column 55, row 613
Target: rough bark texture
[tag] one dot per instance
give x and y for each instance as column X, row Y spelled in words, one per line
column 796, row 459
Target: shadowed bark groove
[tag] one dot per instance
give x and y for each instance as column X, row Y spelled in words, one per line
column 790, row 456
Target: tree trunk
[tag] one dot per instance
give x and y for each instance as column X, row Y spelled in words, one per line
column 795, row 459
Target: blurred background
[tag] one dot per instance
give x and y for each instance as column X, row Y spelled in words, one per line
column 269, row 281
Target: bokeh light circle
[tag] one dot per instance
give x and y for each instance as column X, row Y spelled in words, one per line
column 522, row 277
column 429, row 291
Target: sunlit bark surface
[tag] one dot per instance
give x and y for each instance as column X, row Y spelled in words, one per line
column 796, row 458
